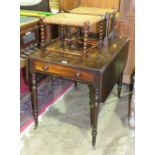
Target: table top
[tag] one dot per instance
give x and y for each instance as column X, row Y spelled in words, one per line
column 92, row 11
column 35, row 13
column 97, row 60
column 24, row 20
column 28, row 16
column 72, row 19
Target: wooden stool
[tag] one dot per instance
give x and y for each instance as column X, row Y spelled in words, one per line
column 108, row 15
column 66, row 19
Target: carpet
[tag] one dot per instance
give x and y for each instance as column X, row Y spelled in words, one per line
column 65, row 128
column 48, row 92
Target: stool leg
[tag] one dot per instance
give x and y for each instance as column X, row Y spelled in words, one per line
column 43, row 38
column 105, row 42
column 86, row 29
column 79, row 33
column 69, row 35
column 79, row 36
column 113, row 23
column 62, row 36
column 119, row 85
column 34, row 99
column 100, row 33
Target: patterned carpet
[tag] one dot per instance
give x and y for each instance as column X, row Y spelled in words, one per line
column 48, row 93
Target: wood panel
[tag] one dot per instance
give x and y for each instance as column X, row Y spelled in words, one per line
column 101, row 3
column 127, row 8
column 126, row 27
column 68, row 4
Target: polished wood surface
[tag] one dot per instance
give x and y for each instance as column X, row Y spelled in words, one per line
column 101, row 3
column 67, row 71
column 96, row 60
column 101, row 70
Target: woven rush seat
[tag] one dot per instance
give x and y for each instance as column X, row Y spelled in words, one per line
column 92, row 11
column 72, row 19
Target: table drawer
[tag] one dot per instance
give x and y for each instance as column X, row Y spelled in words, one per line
column 63, row 71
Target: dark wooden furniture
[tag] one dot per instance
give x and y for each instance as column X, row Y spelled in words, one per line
column 31, row 29
column 29, row 34
column 43, row 6
column 100, row 70
column 29, row 37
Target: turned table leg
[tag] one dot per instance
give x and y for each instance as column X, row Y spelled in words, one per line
column 132, row 108
column 119, row 85
column 75, row 84
column 34, row 99
column 95, row 117
column 92, row 100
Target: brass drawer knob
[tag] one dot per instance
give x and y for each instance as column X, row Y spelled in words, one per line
column 77, row 75
column 45, row 67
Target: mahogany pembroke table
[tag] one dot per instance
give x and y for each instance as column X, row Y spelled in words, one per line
column 100, row 70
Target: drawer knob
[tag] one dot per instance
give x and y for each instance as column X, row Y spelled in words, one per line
column 77, row 75
column 45, row 67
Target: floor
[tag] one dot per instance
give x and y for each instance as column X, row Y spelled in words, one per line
column 65, row 128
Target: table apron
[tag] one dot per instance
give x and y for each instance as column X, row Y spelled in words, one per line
column 64, row 71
